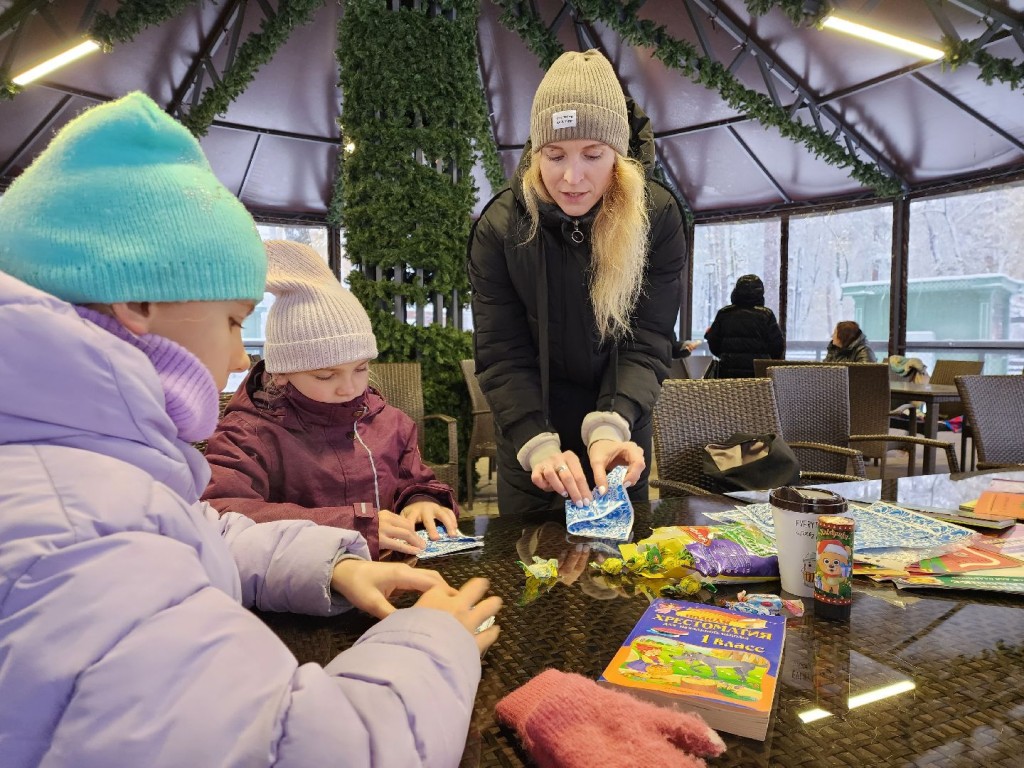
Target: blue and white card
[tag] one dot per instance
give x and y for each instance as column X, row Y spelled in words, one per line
column 609, row 516
column 447, row 544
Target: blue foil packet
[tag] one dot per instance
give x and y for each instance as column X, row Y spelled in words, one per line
column 609, row 516
column 448, row 544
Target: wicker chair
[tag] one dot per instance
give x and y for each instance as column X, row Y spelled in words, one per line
column 402, row 386
column 482, row 443
column 869, row 418
column 690, row 413
column 812, row 408
column 870, row 412
column 995, row 408
column 946, row 372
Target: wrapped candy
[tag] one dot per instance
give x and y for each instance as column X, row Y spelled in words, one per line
column 764, row 605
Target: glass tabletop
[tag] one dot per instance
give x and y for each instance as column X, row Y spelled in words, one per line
column 916, row 677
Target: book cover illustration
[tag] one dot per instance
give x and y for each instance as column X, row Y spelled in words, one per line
column 724, row 657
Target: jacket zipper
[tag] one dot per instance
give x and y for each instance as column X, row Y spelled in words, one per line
column 576, row 235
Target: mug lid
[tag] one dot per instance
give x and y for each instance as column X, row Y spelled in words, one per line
column 817, row 501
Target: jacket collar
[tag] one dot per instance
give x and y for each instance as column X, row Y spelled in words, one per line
column 295, row 411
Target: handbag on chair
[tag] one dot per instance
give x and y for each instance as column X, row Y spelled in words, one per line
column 747, row 462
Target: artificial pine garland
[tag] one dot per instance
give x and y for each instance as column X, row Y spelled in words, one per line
column 131, row 17
column 957, row 52
column 412, row 103
column 256, row 51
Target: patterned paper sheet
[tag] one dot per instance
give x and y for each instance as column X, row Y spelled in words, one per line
column 883, row 530
column 447, row 545
column 609, row 516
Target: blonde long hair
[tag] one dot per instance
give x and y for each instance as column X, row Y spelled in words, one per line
column 618, row 242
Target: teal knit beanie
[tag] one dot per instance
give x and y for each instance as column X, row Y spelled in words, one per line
column 123, row 206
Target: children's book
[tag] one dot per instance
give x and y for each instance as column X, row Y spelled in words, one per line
column 1002, row 499
column 722, row 664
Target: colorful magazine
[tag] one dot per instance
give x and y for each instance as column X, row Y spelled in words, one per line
column 719, row 663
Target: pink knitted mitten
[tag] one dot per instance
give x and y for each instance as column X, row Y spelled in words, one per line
column 567, row 721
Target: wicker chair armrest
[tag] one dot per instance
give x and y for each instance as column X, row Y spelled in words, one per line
column 453, row 434
column 853, row 453
column 831, row 477
column 954, row 465
column 676, row 485
column 993, row 465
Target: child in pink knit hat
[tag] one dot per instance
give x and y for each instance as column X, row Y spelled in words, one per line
column 306, row 437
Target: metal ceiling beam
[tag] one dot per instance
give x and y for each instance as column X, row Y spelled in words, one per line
column 16, row 19
column 998, row 19
column 43, row 125
column 248, row 167
column 228, row 28
column 918, row 77
column 806, row 98
column 760, row 166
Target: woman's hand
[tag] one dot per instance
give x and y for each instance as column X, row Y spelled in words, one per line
column 469, row 607
column 572, row 562
column 562, row 473
column 368, row 585
column 430, row 513
column 608, row 454
column 397, row 533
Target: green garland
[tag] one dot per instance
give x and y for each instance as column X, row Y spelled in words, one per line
column 959, row 52
column 519, row 17
column 494, row 171
column 681, row 55
column 131, row 17
column 795, row 9
column 411, row 89
column 256, row 51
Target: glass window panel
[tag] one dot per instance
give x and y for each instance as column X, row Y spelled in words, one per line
column 721, row 254
column 966, row 276
column 839, row 269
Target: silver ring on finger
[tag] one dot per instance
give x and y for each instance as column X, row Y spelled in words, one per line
column 561, row 468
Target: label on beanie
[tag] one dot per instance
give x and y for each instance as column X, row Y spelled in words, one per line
column 566, row 119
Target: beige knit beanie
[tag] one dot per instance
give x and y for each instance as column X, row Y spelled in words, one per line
column 580, row 98
column 315, row 322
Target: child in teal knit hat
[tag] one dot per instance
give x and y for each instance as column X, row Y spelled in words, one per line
column 126, row 270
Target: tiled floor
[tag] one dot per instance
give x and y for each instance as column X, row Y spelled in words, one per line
column 486, row 500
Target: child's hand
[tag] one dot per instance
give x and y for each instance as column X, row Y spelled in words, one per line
column 467, row 607
column 398, row 533
column 368, row 585
column 430, row 513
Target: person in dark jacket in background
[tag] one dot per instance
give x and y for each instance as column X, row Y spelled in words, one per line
column 849, row 345
column 744, row 331
column 576, row 273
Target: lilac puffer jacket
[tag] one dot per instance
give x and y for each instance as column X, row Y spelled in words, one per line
column 124, row 639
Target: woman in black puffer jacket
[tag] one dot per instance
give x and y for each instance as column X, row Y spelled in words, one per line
column 576, row 271
column 744, row 331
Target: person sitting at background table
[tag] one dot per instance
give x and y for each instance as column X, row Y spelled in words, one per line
column 576, row 273
column 744, row 331
column 305, row 437
column 849, row 345
column 126, row 270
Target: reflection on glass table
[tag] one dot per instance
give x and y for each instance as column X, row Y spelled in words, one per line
column 927, row 677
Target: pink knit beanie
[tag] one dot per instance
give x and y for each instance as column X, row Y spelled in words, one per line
column 315, row 323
